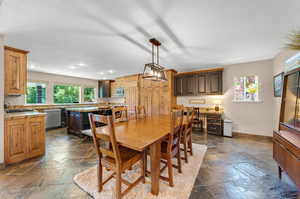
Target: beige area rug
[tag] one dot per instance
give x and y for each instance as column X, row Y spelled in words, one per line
column 87, row 180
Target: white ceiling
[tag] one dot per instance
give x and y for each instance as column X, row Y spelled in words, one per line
column 87, row 38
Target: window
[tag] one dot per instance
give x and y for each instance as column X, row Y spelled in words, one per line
column 89, row 94
column 246, row 89
column 66, row 94
column 36, row 93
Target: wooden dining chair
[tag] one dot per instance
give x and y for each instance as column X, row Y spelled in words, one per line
column 120, row 114
column 186, row 138
column 170, row 148
column 139, row 112
column 178, row 107
column 114, row 157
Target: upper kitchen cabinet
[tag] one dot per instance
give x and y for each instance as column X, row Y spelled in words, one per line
column 199, row 83
column 213, row 85
column 15, row 71
column 104, row 88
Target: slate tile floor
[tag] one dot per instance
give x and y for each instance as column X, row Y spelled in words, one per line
column 233, row 168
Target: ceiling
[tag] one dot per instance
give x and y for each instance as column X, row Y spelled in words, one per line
column 106, row 39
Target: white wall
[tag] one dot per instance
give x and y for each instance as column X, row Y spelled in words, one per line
column 1, row 100
column 256, row 117
column 278, row 67
column 50, row 80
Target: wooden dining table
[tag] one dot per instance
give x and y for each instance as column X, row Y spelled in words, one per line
column 141, row 134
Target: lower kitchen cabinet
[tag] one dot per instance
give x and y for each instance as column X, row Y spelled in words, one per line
column 24, row 138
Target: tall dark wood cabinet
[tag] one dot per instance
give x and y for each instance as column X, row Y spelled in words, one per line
column 199, row 83
column 286, row 141
column 104, row 88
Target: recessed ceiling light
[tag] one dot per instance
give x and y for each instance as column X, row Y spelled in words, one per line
column 81, row 64
column 72, row 67
column 110, row 71
column 101, row 73
column 104, row 78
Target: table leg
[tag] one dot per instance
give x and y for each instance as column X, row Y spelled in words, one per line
column 155, row 167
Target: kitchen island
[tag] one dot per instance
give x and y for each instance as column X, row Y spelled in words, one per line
column 77, row 118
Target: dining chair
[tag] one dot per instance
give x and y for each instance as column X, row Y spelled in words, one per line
column 186, row 138
column 197, row 122
column 178, row 106
column 139, row 112
column 114, row 157
column 170, row 148
column 120, row 114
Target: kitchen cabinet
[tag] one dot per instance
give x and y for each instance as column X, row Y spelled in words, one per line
column 36, row 136
column 199, row 83
column 15, row 71
column 213, row 83
column 189, row 86
column 24, row 138
column 104, row 88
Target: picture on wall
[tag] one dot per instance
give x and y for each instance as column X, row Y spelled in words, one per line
column 278, row 82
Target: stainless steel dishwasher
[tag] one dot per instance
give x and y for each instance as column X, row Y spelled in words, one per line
column 53, row 118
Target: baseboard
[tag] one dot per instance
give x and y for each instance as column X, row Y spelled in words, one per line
column 2, row 166
column 246, row 135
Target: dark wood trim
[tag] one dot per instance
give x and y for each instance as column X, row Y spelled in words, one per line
column 292, row 71
column 200, row 71
column 15, row 49
column 251, row 136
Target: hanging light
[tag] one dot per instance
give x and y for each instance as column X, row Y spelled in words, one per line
column 153, row 71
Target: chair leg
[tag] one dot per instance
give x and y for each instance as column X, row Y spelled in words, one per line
column 170, row 171
column 143, row 167
column 185, row 150
column 118, row 184
column 100, row 173
column 179, row 159
column 191, row 145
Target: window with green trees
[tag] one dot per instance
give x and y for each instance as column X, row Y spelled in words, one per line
column 36, row 93
column 66, row 94
column 89, row 94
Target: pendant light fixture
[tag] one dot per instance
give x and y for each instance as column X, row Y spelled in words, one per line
column 153, row 71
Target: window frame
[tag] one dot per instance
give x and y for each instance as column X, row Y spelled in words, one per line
column 244, row 81
column 46, row 90
column 83, row 97
column 65, row 84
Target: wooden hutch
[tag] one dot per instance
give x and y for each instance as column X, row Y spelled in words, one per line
column 286, row 141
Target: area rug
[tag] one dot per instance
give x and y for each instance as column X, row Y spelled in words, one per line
column 183, row 183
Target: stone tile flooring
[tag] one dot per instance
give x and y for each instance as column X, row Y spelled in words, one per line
column 233, row 168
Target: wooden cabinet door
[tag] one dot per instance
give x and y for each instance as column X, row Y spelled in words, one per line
column 178, row 86
column 15, row 142
column 36, row 136
column 15, row 73
column 214, row 83
column 189, row 85
column 200, row 84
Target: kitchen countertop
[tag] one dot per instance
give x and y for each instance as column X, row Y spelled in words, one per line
column 83, row 109
column 23, row 114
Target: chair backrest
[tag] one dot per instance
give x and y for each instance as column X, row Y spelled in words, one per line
column 109, row 147
column 139, row 112
column 120, row 114
column 178, row 106
column 190, row 114
column 176, row 126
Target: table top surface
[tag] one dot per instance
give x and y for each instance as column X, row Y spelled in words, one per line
column 141, row 133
